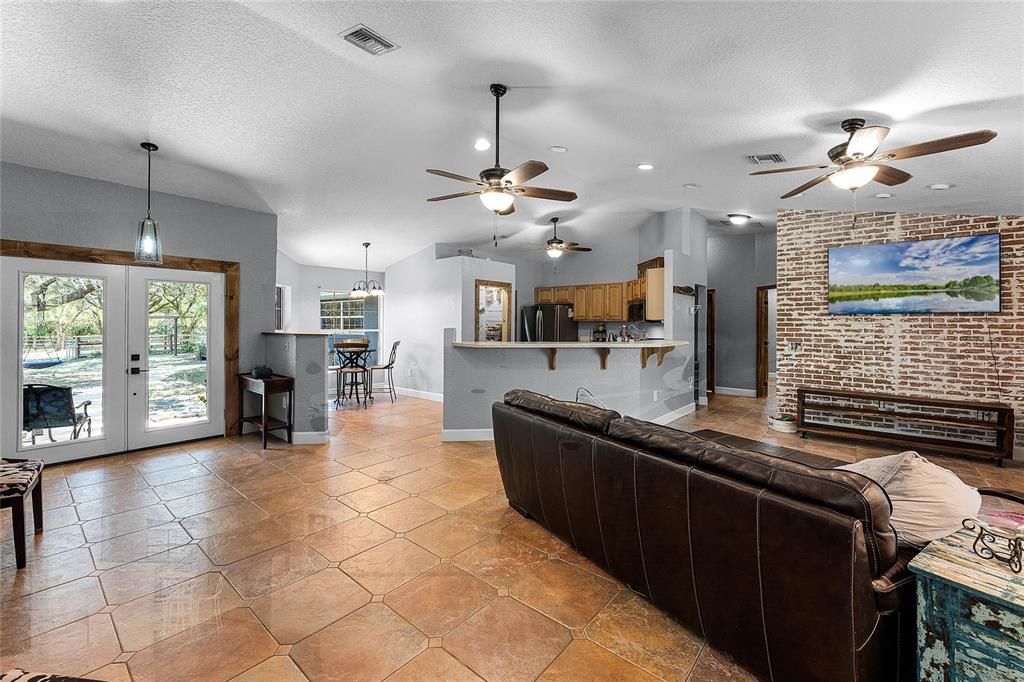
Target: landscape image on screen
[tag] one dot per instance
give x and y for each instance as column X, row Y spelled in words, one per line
column 955, row 275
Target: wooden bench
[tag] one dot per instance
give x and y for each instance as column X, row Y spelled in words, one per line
column 905, row 420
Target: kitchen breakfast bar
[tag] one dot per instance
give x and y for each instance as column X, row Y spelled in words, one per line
column 643, row 379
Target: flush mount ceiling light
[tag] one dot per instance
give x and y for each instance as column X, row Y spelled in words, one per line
column 738, row 218
column 366, row 286
column 559, row 149
column 853, row 177
column 940, row 186
column 883, row 195
column 645, row 166
column 147, row 243
column 691, row 185
column 482, row 144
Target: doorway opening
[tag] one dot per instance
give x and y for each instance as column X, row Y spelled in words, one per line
column 493, row 310
column 101, row 358
column 766, row 349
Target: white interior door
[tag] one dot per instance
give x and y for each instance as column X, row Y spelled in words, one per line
column 175, row 356
column 62, row 367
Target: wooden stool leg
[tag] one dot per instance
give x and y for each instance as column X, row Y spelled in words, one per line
column 37, row 506
column 18, row 521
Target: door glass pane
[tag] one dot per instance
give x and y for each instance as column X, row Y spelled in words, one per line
column 62, row 359
column 177, row 337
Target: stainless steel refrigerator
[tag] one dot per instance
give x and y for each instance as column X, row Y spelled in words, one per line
column 548, row 322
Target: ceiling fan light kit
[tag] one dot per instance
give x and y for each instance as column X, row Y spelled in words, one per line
column 498, row 187
column 857, row 161
column 555, row 246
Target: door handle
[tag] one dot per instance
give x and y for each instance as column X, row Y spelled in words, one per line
column 137, row 370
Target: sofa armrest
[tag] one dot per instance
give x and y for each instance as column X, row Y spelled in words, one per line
column 1002, row 493
column 891, row 583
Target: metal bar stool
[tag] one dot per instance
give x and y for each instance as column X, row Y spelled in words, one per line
column 389, row 369
column 352, row 372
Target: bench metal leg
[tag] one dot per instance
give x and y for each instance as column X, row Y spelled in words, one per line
column 37, row 507
column 18, row 519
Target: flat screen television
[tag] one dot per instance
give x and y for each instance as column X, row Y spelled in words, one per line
column 952, row 275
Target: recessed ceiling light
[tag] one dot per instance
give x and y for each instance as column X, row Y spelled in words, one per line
column 559, row 149
column 691, row 185
column 645, row 166
column 482, row 145
column 883, row 195
column 939, row 186
column 738, row 218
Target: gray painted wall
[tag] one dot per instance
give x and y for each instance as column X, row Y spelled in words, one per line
column 57, row 208
column 302, row 357
column 737, row 265
column 305, row 282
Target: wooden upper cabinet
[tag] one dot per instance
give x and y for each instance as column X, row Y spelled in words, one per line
column 564, row 294
column 597, row 297
column 579, row 304
column 615, row 301
column 543, row 295
column 642, row 293
column 655, row 307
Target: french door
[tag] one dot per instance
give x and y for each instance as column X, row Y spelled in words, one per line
column 99, row 359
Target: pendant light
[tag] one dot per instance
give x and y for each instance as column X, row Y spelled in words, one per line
column 366, row 286
column 147, row 244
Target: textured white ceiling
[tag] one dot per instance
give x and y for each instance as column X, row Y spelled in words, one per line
column 261, row 105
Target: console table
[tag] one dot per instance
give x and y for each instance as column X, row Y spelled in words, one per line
column 265, row 388
column 970, row 614
column 928, row 423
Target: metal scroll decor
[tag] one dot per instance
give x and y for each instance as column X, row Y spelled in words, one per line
column 1003, row 545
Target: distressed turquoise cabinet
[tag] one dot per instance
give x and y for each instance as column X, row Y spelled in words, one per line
column 970, row 615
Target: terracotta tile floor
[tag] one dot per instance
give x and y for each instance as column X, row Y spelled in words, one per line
column 383, row 554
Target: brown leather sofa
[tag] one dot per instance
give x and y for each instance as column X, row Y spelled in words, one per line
column 790, row 569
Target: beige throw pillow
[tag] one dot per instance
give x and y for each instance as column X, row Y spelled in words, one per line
column 928, row 501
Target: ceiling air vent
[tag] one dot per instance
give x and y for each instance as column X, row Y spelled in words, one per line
column 368, row 40
column 758, row 159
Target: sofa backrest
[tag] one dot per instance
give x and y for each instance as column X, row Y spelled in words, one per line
column 842, row 491
column 582, row 416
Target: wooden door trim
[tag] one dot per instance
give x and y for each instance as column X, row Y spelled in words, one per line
column 761, row 347
column 709, row 355
column 230, row 269
column 506, row 312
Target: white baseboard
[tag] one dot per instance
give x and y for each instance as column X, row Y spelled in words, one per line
column 675, row 414
column 310, row 437
column 424, row 395
column 702, row 401
column 745, row 392
column 467, row 434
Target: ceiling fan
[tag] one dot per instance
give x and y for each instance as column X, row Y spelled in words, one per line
column 498, row 187
column 556, row 247
column 857, row 161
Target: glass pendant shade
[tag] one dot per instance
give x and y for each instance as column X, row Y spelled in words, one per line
column 366, row 286
column 147, row 243
column 853, row 177
column 554, row 253
column 496, row 199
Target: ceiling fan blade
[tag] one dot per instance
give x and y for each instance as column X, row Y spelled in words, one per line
column 508, row 211
column 865, row 141
column 887, row 175
column 806, row 186
column 578, row 248
column 524, row 172
column 787, row 170
column 453, row 176
column 943, row 144
column 455, row 196
column 544, row 193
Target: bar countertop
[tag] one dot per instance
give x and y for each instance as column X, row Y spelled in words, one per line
column 528, row 345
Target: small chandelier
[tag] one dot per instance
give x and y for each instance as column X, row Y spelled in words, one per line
column 366, row 286
column 147, row 243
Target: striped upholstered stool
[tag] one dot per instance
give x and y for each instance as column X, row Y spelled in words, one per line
column 19, row 478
